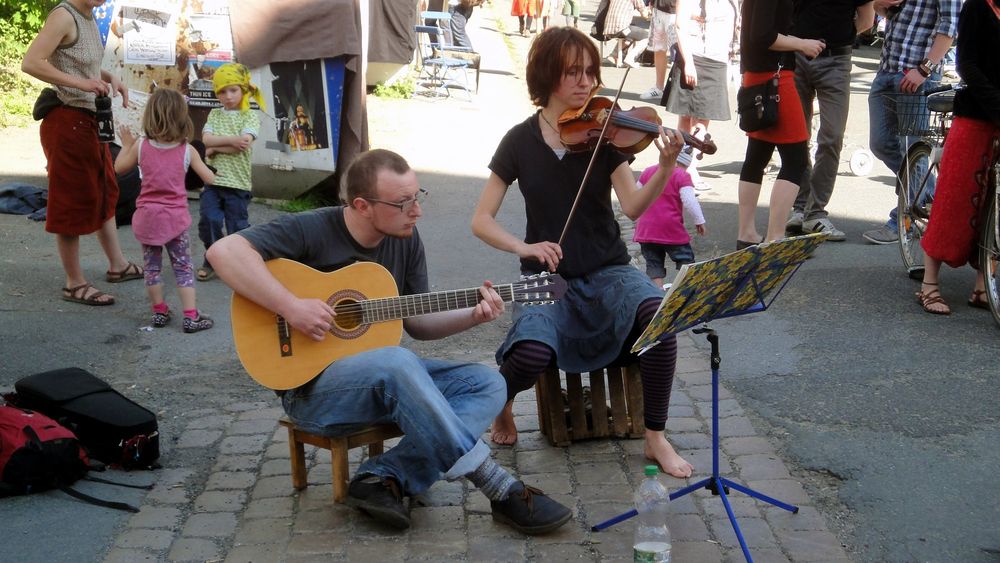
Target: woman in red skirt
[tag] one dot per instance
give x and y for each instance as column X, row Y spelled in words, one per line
column 83, row 190
column 954, row 225
column 766, row 48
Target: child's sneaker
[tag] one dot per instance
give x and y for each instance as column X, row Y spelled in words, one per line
column 160, row 320
column 200, row 323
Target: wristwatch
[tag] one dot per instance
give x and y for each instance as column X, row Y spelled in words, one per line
column 926, row 67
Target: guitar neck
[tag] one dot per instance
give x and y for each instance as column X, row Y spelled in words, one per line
column 406, row 306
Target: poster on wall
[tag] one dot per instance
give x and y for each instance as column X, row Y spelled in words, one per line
column 211, row 44
column 299, row 106
column 148, row 34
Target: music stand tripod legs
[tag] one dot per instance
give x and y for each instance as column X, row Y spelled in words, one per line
column 716, row 483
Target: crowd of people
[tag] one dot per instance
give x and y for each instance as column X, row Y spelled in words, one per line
column 444, row 407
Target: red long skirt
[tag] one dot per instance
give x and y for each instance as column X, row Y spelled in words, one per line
column 954, row 226
column 83, row 190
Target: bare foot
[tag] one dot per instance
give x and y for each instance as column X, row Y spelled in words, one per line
column 658, row 449
column 504, row 432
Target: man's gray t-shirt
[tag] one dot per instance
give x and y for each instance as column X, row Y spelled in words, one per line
column 320, row 240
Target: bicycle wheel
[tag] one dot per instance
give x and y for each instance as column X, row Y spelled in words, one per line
column 916, row 180
column 989, row 251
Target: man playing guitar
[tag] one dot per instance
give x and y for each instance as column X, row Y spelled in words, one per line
column 442, row 407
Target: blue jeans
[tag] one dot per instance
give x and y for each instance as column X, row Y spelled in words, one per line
column 885, row 144
column 222, row 207
column 442, row 408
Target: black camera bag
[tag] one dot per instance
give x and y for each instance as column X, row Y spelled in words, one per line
column 113, row 429
column 48, row 100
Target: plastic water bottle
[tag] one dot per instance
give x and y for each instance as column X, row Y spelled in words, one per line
column 652, row 537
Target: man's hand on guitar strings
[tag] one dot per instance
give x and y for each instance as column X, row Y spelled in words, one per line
column 490, row 307
column 311, row 317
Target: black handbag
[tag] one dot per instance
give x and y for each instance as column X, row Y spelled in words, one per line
column 675, row 76
column 757, row 106
column 47, row 100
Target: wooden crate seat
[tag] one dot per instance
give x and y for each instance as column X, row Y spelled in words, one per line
column 373, row 437
column 567, row 414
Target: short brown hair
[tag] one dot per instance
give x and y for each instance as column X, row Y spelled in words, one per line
column 166, row 117
column 359, row 181
column 552, row 52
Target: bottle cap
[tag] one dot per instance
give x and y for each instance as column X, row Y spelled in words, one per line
column 652, row 470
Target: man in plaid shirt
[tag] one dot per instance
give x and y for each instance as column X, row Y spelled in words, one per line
column 619, row 24
column 918, row 33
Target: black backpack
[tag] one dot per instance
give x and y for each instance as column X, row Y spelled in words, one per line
column 112, row 428
column 38, row 454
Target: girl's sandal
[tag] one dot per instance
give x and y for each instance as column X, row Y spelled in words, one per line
column 932, row 297
column 978, row 299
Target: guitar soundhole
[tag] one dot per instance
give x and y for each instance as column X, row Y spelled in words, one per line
column 348, row 322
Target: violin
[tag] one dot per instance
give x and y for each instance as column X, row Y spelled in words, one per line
column 629, row 131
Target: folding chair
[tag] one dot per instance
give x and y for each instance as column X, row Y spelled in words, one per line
column 439, row 40
column 440, row 70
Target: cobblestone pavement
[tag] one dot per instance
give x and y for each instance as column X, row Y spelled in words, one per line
column 245, row 509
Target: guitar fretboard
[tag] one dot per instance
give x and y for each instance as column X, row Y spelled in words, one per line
column 392, row 308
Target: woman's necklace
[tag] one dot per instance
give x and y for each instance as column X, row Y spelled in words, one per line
column 549, row 123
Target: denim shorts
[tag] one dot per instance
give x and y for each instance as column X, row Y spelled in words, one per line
column 655, row 254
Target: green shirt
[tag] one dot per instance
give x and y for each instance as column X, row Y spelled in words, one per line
column 232, row 170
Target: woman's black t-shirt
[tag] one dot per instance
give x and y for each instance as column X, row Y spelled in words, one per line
column 549, row 186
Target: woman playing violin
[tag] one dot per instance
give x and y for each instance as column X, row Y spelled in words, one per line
column 608, row 301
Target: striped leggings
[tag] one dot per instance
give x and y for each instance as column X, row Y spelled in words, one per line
column 528, row 358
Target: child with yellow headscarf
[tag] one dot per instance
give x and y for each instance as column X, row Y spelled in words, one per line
column 228, row 135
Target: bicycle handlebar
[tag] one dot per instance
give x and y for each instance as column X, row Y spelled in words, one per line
column 940, row 88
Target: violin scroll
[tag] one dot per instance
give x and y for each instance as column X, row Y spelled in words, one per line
column 705, row 145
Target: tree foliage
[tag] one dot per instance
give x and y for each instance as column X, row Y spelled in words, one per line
column 19, row 23
column 24, row 19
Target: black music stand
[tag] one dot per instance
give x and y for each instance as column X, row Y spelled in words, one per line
column 740, row 283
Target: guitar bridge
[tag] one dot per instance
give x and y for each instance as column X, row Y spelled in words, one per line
column 284, row 336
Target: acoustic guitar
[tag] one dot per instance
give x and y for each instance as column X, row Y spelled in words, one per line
column 369, row 313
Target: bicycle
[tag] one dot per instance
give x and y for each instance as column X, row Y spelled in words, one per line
column 925, row 115
column 989, row 235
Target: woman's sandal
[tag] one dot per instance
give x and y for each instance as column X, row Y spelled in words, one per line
column 78, row 294
column 205, row 273
column 932, row 297
column 978, row 299
column 131, row 272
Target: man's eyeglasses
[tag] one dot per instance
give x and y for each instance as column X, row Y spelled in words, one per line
column 403, row 206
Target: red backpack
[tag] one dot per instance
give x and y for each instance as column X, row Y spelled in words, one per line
column 38, row 454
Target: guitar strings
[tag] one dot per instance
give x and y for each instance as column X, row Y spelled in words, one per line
column 394, row 306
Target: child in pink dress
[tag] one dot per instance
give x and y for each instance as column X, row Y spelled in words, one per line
column 660, row 231
column 161, row 217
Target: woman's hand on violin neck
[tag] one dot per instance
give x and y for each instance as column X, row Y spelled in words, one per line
column 669, row 144
column 547, row 253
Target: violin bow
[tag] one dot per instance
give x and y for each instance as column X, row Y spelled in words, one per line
column 593, row 156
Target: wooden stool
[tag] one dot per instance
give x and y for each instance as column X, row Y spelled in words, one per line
column 372, row 437
column 622, row 385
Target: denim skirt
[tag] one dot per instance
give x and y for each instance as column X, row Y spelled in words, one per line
column 589, row 326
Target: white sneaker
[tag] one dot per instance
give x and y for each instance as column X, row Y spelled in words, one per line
column 653, row 93
column 823, row 225
column 794, row 223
